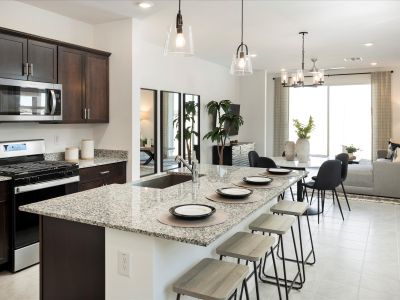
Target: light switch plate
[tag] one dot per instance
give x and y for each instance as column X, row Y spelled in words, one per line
column 123, row 263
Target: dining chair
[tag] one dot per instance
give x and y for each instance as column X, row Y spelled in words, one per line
column 328, row 179
column 344, row 158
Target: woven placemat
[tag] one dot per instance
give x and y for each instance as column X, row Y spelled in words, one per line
column 273, row 184
column 218, row 217
column 218, row 198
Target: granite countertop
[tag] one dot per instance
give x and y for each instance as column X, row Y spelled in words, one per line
column 101, row 157
column 4, row 178
column 135, row 209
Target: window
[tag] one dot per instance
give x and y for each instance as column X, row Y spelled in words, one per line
column 342, row 115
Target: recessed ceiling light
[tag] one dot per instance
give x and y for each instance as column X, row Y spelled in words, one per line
column 353, row 59
column 253, row 55
column 368, row 44
column 145, row 4
column 283, row 70
column 373, row 64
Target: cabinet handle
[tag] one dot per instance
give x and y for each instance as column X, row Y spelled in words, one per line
column 30, row 69
column 25, row 69
column 84, row 113
column 105, row 172
column 88, row 113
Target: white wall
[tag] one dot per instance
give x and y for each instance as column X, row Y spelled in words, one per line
column 187, row 75
column 396, row 103
column 26, row 18
column 117, row 38
column 253, row 108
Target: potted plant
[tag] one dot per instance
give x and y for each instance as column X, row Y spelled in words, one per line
column 226, row 121
column 189, row 129
column 351, row 150
column 303, row 144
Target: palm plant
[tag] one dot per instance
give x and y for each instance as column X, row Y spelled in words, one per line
column 189, row 130
column 226, row 121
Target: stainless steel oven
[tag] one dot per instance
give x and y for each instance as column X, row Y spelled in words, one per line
column 26, row 225
column 30, row 101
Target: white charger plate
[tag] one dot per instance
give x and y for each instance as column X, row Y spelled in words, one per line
column 279, row 171
column 257, row 180
column 192, row 211
column 234, row 192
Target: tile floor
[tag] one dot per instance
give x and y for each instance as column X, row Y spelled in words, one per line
column 356, row 259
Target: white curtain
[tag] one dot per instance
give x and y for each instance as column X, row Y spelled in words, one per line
column 281, row 117
column 381, row 84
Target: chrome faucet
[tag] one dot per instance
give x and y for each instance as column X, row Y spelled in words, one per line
column 194, row 168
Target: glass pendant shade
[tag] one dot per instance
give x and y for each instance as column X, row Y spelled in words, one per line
column 241, row 65
column 300, row 77
column 284, row 78
column 179, row 41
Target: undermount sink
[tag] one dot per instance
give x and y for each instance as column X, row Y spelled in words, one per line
column 165, row 181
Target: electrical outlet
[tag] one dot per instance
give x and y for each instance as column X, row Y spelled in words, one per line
column 124, row 264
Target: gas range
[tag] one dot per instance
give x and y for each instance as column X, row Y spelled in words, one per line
column 38, row 171
column 34, row 179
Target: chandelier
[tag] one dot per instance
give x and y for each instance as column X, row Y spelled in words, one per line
column 296, row 79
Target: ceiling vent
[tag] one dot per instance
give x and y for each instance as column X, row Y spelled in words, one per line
column 353, row 59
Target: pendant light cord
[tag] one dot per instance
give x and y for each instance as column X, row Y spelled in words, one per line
column 242, row 21
column 179, row 6
column 302, row 53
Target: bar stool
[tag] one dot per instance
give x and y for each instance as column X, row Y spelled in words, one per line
column 296, row 209
column 212, row 279
column 251, row 248
column 280, row 225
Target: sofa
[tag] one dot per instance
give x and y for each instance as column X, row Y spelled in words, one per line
column 379, row 178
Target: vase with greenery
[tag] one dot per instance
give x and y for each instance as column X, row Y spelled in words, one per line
column 189, row 129
column 351, row 150
column 303, row 132
column 226, row 121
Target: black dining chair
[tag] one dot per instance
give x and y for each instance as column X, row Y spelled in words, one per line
column 257, row 161
column 328, row 179
column 344, row 158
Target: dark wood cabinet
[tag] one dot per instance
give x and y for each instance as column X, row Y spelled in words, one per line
column 5, row 213
column 234, row 155
column 96, row 72
column 84, row 77
column 71, row 65
column 13, row 57
column 25, row 59
column 94, row 177
column 42, row 59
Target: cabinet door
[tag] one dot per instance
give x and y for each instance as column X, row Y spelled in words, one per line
column 96, row 71
column 42, row 59
column 71, row 64
column 5, row 212
column 88, row 185
column 13, row 57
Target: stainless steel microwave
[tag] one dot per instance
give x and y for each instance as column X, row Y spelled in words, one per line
column 28, row 101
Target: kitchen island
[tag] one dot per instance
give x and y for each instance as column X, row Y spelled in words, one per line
column 107, row 243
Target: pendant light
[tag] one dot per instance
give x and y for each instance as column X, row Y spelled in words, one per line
column 179, row 38
column 241, row 62
column 297, row 78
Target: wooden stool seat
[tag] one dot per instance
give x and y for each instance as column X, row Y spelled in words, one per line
column 211, row 279
column 290, row 208
column 247, row 246
column 272, row 223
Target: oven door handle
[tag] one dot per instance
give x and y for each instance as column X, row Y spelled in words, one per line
column 54, row 102
column 44, row 185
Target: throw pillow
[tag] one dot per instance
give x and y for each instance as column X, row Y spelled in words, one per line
column 396, row 156
column 391, row 149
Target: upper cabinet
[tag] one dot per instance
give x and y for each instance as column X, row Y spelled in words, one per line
column 25, row 59
column 83, row 72
column 84, row 77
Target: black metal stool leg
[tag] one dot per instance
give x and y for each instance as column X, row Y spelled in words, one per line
column 178, row 296
column 312, row 196
column 291, row 192
column 312, row 243
column 297, row 260
column 345, row 196
column 256, row 279
column 284, row 270
column 318, row 204
column 301, row 249
column 276, row 273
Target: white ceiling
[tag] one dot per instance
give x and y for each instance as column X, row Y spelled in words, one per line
column 337, row 28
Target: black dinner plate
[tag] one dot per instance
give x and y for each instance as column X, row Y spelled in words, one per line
column 234, row 192
column 279, row 171
column 257, row 180
column 192, row 211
